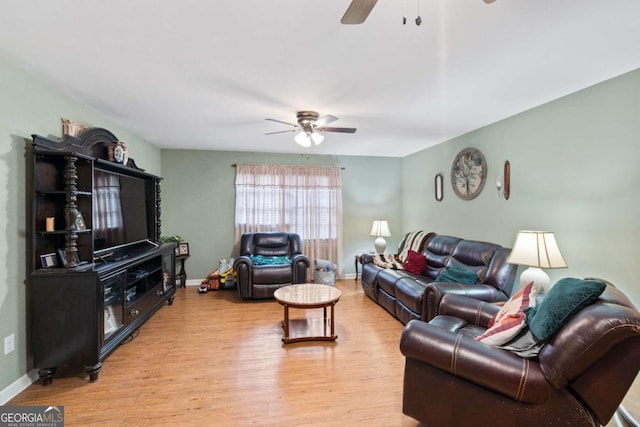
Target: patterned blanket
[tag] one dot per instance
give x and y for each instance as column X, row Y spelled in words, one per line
column 413, row 241
column 387, row 261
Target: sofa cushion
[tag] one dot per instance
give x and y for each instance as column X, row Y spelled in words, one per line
column 410, row 292
column 510, row 320
column 566, row 298
column 272, row 274
column 457, row 275
column 387, row 279
column 415, row 263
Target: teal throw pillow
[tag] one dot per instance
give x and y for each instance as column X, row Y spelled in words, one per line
column 566, row 298
column 457, row 275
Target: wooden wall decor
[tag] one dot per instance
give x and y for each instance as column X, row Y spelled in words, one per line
column 507, row 179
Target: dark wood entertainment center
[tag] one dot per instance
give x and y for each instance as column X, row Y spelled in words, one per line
column 98, row 271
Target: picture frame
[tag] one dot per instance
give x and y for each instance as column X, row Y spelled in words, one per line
column 183, row 249
column 49, row 260
column 62, row 254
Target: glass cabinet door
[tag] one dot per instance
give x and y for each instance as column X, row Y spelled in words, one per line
column 168, row 270
column 113, row 287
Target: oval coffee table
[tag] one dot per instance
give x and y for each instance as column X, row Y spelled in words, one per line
column 308, row 296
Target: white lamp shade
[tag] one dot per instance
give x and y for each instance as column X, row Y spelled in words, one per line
column 536, row 249
column 317, row 138
column 303, row 139
column 380, row 228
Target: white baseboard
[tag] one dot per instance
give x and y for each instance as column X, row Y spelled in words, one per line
column 18, row 386
column 196, row 282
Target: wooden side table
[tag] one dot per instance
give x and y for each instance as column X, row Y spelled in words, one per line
column 182, row 275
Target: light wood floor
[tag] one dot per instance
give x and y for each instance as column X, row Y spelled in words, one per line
column 211, row 359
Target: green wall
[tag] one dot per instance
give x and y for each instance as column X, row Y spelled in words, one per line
column 27, row 106
column 572, row 172
column 198, row 198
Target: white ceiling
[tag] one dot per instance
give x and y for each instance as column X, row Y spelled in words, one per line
column 204, row 74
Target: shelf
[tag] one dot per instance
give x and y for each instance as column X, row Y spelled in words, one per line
column 63, row 232
column 63, row 193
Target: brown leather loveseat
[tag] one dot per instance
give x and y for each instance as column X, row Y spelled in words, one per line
column 578, row 378
column 281, row 263
column 410, row 296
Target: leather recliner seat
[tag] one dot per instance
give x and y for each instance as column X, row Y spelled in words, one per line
column 256, row 281
column 579, row 377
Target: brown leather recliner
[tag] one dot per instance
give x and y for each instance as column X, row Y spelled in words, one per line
column 260, row 280
column 578, row 379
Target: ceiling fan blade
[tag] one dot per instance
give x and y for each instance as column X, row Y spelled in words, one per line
column 341, row 130
column 325, row 120
column 489, row 1
column 281, row 131
column 280, row 121
column 358, row 11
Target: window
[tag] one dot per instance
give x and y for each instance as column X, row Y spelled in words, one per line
column 306, row 200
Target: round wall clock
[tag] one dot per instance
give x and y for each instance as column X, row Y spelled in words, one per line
column 468, row 173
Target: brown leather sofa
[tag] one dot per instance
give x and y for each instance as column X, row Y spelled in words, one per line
column 408, row 296
column 579, row 377
column 257, row 281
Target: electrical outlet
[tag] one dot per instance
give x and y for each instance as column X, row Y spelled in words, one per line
column 9, row 344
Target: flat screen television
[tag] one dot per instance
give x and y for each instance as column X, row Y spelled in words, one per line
column 123, row 210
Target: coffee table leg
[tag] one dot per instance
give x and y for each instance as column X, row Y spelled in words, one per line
column 285, row 324
column 333, row 335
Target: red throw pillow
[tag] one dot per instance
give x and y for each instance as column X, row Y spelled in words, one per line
column 415, row 263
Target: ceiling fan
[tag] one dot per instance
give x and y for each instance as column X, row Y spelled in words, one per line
column 359, row 10
column 309, row 126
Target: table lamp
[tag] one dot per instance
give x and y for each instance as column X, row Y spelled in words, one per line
column 380, row 229
column 536, row 249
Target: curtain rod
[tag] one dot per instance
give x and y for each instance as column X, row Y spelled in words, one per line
column 233, row 165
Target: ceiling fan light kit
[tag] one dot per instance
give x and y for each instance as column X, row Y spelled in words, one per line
column 309, row 126
column 303, row 138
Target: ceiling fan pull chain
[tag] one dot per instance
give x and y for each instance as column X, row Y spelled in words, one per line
column 418, row 19
column 404, row 12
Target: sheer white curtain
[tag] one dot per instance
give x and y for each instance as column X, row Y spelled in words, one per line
column 306, row 200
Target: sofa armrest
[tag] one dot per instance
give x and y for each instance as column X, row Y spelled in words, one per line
column 366, row 259
column 300, row 264
column 300, row 258
column 435, row 291
column 242, row 266
column 474, row 311
column 495, row 369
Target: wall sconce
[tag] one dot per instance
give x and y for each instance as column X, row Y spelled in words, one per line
column 503, row 182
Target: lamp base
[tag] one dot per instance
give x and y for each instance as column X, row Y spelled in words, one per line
column 380, row 245
column 537, row 276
